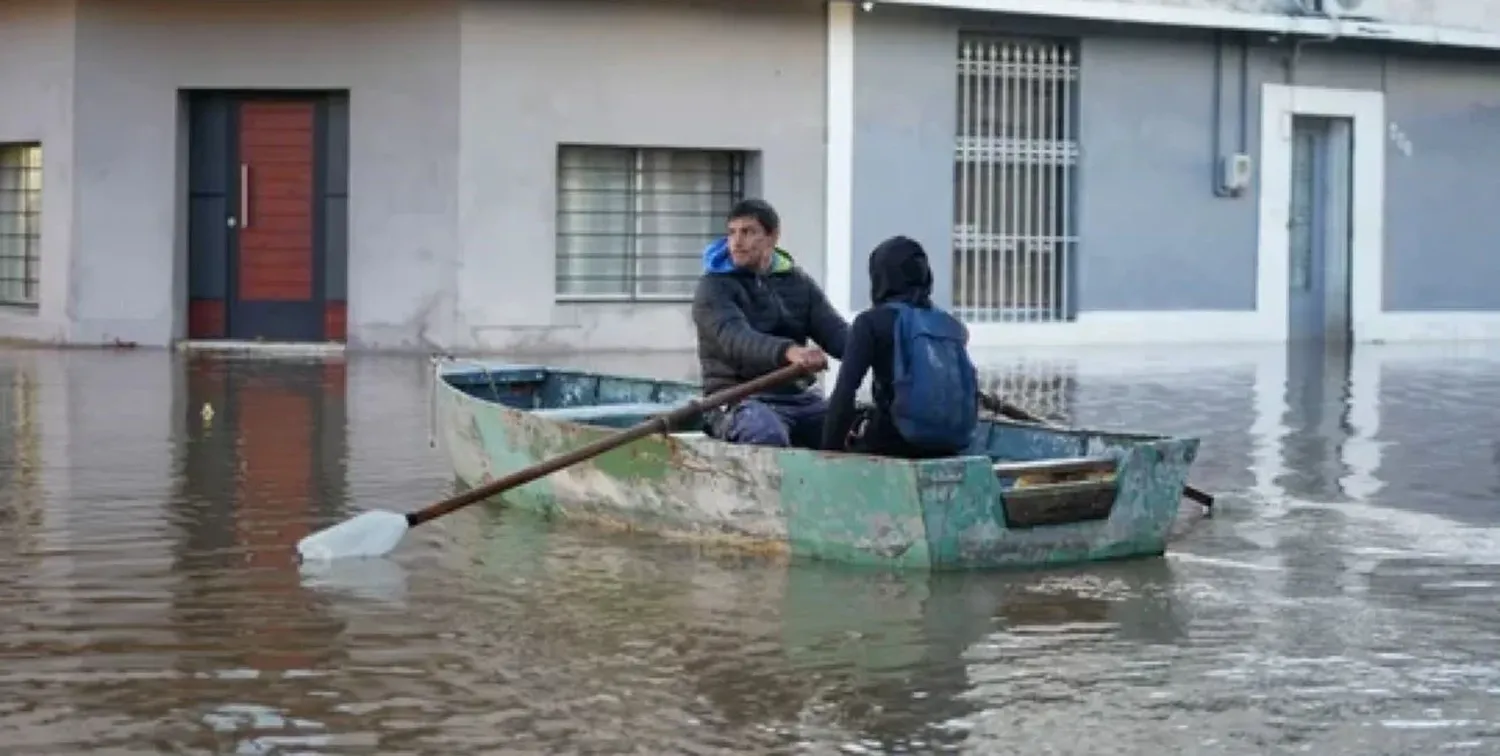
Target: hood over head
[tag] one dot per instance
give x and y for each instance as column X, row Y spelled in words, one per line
column 899, row 272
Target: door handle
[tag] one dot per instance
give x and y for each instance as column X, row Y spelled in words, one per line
column 244, row 195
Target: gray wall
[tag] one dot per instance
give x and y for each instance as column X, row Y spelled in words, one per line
column 905, row 118
column 1152, row 234
column 1442, row 230
column 456, row 107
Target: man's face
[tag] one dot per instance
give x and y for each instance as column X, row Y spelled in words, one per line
column 749, row 244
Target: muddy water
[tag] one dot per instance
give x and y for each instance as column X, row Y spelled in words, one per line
column 1342, row 601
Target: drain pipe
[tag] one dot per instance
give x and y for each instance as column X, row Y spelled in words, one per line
column 1218, row 118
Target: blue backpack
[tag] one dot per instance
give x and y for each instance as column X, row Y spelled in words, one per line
column 936, row 404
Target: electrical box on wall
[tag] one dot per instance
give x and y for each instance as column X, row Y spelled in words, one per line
column 1234, row 173
column 1370, row 10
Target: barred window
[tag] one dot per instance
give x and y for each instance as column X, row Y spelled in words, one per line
column 1014, row 226
column 20, row 224
column 632, row 222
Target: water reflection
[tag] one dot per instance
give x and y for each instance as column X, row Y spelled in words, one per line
column 20, row 463
column 816, row 654
column 1343, row 602
column 1317, row 419
column 383, row 580
column 1047, row 388
column 256, row 472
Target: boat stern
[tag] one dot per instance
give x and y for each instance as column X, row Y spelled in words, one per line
column 1116, row 499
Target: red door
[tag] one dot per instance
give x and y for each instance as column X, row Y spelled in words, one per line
column 274, row 269
column 262, row 190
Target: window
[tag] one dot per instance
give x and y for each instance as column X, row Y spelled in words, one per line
column 1014, row 230
column 632, row 223
column 20, row 223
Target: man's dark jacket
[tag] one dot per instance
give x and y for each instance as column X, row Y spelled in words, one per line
column 747, row 319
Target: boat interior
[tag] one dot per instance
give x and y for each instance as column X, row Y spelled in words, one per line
column 621, row 402
column 575, row 396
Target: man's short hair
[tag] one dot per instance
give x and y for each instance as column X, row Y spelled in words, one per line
column 758, row 209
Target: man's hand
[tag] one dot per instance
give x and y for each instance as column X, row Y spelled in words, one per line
column 811, row 358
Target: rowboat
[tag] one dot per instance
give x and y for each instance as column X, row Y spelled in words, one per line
column 1022, row 495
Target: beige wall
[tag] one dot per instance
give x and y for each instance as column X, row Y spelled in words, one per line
column 401, row 68
column 456, row 109
column 731, row 75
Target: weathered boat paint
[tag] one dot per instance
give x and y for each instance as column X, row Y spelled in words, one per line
column 956, row 513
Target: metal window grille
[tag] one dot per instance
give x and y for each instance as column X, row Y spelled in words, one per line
column 20, row 224
column 632, row 223
column 1017, row 153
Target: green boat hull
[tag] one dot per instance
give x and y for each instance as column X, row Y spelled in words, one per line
column 1022, row 496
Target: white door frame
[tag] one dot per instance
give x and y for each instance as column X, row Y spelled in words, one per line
column 838, row 243
column 1279, row 103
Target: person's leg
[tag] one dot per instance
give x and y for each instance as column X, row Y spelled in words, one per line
column 756, row 423
column 804, row 419
column 881, row 439
column 854, row 440
column 876, row 440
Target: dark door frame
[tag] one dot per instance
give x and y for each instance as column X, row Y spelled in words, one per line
column 321, row 100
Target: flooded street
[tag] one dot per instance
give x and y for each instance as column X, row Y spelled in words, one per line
column 1343, row 601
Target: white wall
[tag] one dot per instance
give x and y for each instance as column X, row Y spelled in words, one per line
column 456, row 110
column 36, row 87
column 401, row 67
column 728, row 75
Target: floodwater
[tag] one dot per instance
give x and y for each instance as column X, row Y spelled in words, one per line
column 1342, row 601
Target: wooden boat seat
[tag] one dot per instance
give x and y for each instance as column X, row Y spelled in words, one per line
column 1058, row 491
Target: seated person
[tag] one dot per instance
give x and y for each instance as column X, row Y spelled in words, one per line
column 755, row 311
column 925, row 387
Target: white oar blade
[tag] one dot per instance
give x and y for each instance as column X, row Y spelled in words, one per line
column 369, row 534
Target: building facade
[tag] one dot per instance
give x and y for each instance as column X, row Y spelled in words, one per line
column 529, row 175
column 444, row 174
column 1072, row 165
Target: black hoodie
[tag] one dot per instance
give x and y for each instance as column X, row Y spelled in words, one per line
column 898, row 272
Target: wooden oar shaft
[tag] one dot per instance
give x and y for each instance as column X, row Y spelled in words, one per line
column 1001, row 407
column 658, row 424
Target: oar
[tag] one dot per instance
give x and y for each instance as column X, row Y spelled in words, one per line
column 1003, row 408
column 375, row 533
